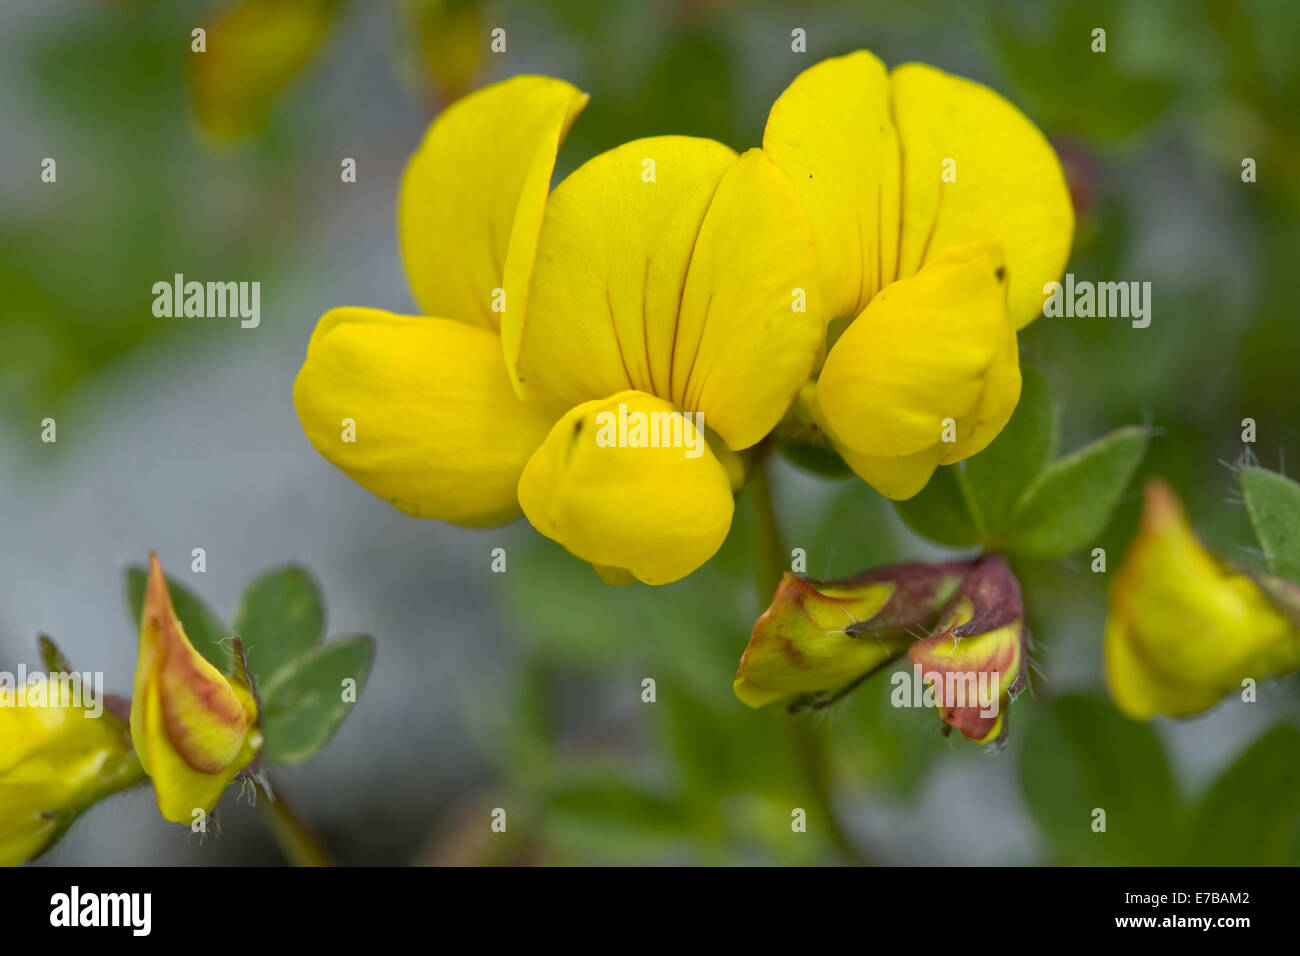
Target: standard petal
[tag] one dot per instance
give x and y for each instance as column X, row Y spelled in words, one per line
column 925, row 350
column 611, row 267
column 598, row 487
column 751, row 320
column 832, row 132
column 471, row 199
column 420, row 412
column 975, row 169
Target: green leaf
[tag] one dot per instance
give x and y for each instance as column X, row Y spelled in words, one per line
column 1071, row 502
column 279, row 617
column 1081, row 755
column 205, row 630
column 1273, row 503
column 820, row 461
column 1057, row 78
column 940, row 512
column 51, row 656
column 1251, row 815
column 999, row 474
column 303, row 702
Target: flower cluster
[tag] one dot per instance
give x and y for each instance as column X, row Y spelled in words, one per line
column 869, row 264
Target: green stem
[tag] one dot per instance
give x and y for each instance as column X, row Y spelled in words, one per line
column 812, row 754
column 768, row 549
column 769, row 565
column 300, row 846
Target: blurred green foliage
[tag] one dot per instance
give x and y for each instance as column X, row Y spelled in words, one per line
column 1101, row 790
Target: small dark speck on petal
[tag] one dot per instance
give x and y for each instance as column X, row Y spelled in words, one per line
column 1001, row 273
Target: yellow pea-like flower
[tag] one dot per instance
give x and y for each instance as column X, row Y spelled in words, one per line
column 58, row 755
column 669, row 277
column 940, row 212
column 194, row 728
column 1185, row 628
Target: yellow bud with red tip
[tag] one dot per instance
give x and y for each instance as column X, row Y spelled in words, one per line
column 194, row 727
column 975, row 661
column 820, row 639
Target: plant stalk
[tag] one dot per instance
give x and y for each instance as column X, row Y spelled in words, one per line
column 769, row 564
column 299, row 844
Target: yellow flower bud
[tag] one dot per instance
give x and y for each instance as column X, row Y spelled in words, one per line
column 58, row 755
column 828, row 635
column 975, row 661
column 193, row 727
column 1184, row 627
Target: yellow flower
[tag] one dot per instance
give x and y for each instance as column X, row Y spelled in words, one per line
column 669, row 285
column 940, row 212
column 828, row 635
column 56, row 759
column 1185, row 628
column 421, row 410
column 193, row 727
